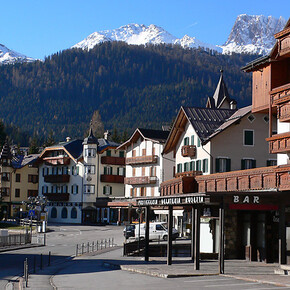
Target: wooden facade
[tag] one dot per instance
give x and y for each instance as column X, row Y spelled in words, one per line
column 141, row 160
column 110, row 160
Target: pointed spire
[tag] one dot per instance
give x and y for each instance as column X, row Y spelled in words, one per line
column 91, row 139
column 6, row 153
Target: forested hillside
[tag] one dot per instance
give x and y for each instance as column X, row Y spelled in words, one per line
column 130, row 86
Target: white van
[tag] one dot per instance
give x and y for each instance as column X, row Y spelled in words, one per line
column 157, row 230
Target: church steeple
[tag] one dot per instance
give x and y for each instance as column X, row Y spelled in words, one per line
column 91, row 139
column 220, row 98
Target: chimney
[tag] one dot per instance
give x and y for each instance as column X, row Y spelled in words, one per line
column 233, row 105
column 68, row 139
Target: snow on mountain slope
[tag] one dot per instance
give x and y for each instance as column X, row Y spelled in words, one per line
column 253, row 34
column 8, row 56
column 141, row 34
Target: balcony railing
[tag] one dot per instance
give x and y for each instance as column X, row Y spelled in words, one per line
column 57, row 196
column 142, row 159
column 280, row 94
column 188, row 173
column 182, row 184
column 113, row 160
column 188, row 151
column 61, row 178
column 140, row 180
column 264, row 178
column 58, row 160
column 279, row 143
column 283, row 112
column 112, row 178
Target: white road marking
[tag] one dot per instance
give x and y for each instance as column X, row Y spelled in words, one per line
column 208, row 280
column 237, row 284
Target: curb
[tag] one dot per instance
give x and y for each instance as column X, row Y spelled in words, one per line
column 20, row 248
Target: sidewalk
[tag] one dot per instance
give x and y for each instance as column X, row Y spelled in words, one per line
column 84, row 269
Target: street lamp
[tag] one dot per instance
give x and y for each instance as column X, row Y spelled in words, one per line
column 139, row 211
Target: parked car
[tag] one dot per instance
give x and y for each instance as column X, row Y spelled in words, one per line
column 129, row 231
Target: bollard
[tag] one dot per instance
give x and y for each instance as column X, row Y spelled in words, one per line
column 109, row 242
column 26, row 272
column 77, row 250
column 88, row 247
column 93, row 246
column 101, row 244
column 113, row 242
column 40, row 261
column 97, row 245
column 105, row 243
column 49, row 255
column 83, row 248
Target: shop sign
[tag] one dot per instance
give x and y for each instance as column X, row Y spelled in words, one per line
column 171, row 201
column 246, row 199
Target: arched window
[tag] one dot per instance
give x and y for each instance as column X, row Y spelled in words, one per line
column 74, row 213
column 64, row 213
column 53, row 213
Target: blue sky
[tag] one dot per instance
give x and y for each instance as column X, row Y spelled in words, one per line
column 38, row 28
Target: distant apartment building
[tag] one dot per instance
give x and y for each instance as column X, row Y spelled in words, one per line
column 19, row 180
column 77, row 183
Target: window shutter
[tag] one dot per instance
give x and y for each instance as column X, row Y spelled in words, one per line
column 228, row 164
column 268, row 163
column 243, row 164
column 217, row 165
column 205, row 165
column 110, row 189
column 104, row 189
column 192, row 140
column 198, row 142
column 253, row 163
column 105, row 170
column 43, row 171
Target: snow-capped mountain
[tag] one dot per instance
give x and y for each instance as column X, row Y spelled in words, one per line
column 141, row 34
column 8, row 56
column 253, row 34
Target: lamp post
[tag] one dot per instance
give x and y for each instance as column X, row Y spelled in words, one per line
column 139, row 212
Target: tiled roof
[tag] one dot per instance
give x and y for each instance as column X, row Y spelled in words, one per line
column 20, row 161
column 103, row 143
column 205, row 120
column 158, row 135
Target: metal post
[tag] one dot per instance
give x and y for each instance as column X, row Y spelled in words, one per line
column 197, row 239
column 139, row 220
column 97, row 245
column 169, row 237
column 113, row 242
column 77, row 250
column 83, row 248
column 88, row 247
column 192, row 232
column 93, row 246
column 221, row 239
column 44, row 239
column 26, row 272
column 147, row 220
column 282, row 237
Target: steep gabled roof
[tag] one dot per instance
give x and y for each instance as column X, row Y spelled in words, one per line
column 106, row 144
column 20, row 161
column 204, row 121
column 158, row 136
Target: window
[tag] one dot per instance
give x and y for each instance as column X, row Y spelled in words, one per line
column 134, row 172
column 90, row 152
column 205, row 165
column 74, row 213
column 192, row 140
column 17, row 177
column 64, row 170
column 131, row 192
column 152, row 171
column 53, row 213
column 75, row 170
column 143, row 171
column 108, row 153
column 223, row 165
column 121, row 171
column 64, row 213
column 107, row 190
column 5, row 176
column 142, row 191
column 179, row 168
column 121, row 154
column 17, row 192
column 248, row 163
column 251, row 118
column 198, row 165
column 134, row 153
column 152, row 191
column 186, row 166
column 271, row 162
column 143, row 152
column 89, row 189
column 248, row 137
column 108, row 170
column 74, row 189
column 186, row 141
column 90, row 169
column 32, row 178
column 192, row 166
column 33, row 193
column 45, row 171
column 44, row 189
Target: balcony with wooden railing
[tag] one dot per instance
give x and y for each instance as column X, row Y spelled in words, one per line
column 142, row 160
column 279, row 143
column 111, row 160
column 57, row 160
column 112, row 178
column 264, row 178
column 58, row 178
column 188, row 173
column 280, row 94
column 137, row 180
column 188, row 151
column 57, row 196
column 283, row 112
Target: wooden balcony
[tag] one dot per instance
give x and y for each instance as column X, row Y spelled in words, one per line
column 141, row 160
column 140, row 180
column 188, row 151
column 283, row 42
column 62, row 178
column 264, row 178
column 58, row 160
column 113, row 160
column 112, row 178
column 182, row 184
column 279, row 143
column 283, row 112
column 280, row 95
column 188, row 173
column 57, row 196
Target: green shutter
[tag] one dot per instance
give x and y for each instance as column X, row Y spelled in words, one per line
column 205, row 165
column 228, row 168
column 192, row 140
column 198, row 142
column 217, row 165
column 192, row 168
